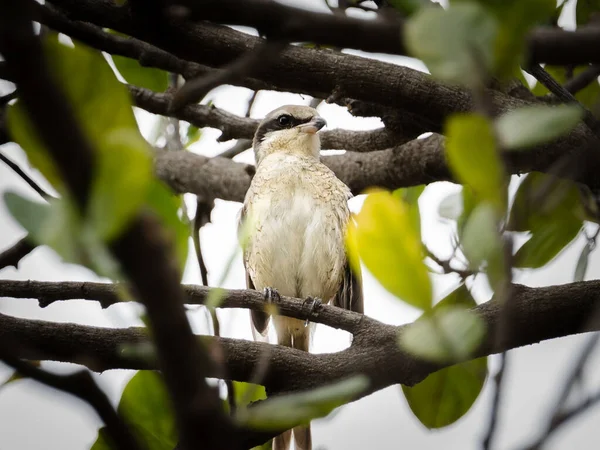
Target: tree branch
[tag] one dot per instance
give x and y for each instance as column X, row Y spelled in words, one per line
column 309, row 71
column 539, row 314
column 107, row 294
column 237, row 127
column 11, row 256
column 142, row 248
column 81, row 385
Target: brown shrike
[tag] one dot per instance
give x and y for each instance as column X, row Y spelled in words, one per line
column 299, row 214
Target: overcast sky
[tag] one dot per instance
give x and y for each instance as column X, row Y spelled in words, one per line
column 33, row 417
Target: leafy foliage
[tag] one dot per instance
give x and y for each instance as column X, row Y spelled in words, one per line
column 448, row 394
column 287, row 411
column 146, row 407
column 123, row 183
column 388, row 243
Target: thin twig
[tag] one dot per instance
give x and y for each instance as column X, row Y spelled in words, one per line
column 15, row 168
column 251, row 103
column 201, row 218
column 239, row 147
column 560, row 416
column 563, row 95
column 583, row 79
column 246, row 65
column 81, row 385
column 14, row 254
column 446, row 266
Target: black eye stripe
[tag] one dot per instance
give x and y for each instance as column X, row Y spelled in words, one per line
column 274, row 125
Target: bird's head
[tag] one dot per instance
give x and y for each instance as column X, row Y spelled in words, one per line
column 290, row 129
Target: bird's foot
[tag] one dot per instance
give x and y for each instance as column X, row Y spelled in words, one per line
column 315, row 303
column 271, row 295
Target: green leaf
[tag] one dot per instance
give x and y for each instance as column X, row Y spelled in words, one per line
column 146, row 407
column 472, row 155
column 451, row 207
column 449, row 334
column 533, row 125
column 411, row 197
column 546, row 243
column 455, row 44
column 55, row 224
column 542, row 199
column 102, row 107
column 193, row 135
column 446, row 395
column 246, row 393
column 514, row 19
column 582, row 262
column 585, row 10
column 165, row 204
column 287, row 411
column 134, row 73
column 481, row 243
column 389, row 245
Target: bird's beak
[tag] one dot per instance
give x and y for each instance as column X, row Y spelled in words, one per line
column 315, row 124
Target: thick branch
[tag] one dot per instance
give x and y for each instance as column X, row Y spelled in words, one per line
column 309, row 71
column 540, row 314
column 276, row 20
column 47, row 292
column 236, row 127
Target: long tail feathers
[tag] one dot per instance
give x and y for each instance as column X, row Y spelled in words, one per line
column 302, row 434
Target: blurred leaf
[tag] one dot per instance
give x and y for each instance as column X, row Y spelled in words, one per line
column 472, row 156
column 448, row 334
column 542, row 199
column 246, row 393
column 134, row 73
column 455, row 44
column 481, row 242
column 287, row 411
column 55, row 224
column 146, row 407
column 585, row 10
column 193, row 135
column 24, row 133
column 529, row 126
column 389, row 246
column 514, row 19
column 446, row 395
column 411, row 196
column 451, row 207
column 102, row 107
column 546, row 242
column 582, row 262
column 165, row 204
column 408, row 7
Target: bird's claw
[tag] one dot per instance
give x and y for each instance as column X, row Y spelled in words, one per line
column 314, row 304
column 271, row 295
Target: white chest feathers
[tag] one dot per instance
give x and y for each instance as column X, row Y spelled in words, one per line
column 300, row 213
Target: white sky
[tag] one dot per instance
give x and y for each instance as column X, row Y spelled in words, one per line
column 33, row 416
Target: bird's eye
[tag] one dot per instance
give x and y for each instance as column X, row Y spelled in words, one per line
column 284, row 120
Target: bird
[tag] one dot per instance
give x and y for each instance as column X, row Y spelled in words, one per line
column 298, row 214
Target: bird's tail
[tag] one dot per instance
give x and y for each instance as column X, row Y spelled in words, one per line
column 293, row 334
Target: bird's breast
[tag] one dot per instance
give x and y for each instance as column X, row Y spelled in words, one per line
column 297, row 245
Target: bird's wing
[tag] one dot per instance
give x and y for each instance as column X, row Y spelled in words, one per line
column 260, row 319
column 350, row 295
